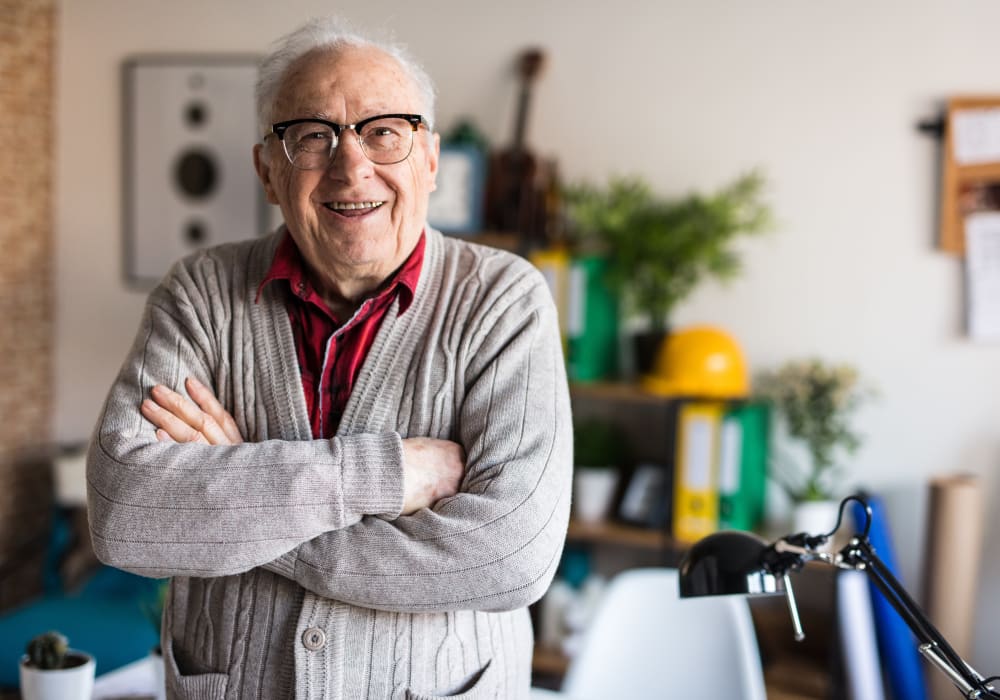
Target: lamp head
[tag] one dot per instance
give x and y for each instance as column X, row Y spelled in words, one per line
column 730, row 562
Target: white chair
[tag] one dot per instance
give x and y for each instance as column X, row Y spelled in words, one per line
column 646, row 643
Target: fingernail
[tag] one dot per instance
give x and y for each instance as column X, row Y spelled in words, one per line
column 148, row 405
column 192, row 380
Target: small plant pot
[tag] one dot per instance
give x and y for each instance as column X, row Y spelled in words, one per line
column 593, row 492
column 646, row 347
column 75, row 682
column 816, row 518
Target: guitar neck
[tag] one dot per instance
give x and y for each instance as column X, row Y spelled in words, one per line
column 521, row 124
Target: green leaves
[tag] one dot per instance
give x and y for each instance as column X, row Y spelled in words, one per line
column 47, row 651
column 660, row 249
column 817, row 401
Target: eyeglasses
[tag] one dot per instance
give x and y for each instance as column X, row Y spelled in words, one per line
column 385, row 139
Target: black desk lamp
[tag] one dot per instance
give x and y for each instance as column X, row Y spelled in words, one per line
column 735, row 562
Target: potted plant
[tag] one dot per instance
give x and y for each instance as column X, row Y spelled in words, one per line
column 659, row 249
column 50, row 670
column 599, row 447
column 814, row 403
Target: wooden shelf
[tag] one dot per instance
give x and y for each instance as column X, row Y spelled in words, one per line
column 630, row 392
column 618, row 534
column 505, row 240
column 549, row 661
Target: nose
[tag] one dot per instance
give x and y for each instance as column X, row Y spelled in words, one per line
column 349, row 159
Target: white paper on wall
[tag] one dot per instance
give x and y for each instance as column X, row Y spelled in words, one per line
column 976, row 136
column 982, row 274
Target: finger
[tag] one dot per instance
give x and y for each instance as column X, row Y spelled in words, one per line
column 184, row 409
column 167, row 422
column 163, row 436
column 210, row 405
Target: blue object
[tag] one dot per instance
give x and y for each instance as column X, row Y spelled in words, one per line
column 113, row 630
column 896, row 643
column 575, row 565
column 106, row 616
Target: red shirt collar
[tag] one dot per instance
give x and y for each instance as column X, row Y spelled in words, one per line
column 289, row 265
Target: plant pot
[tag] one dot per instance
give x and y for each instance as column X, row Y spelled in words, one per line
column 593, row 492
column 645, row 347
column 73, row 683
column 815, row 518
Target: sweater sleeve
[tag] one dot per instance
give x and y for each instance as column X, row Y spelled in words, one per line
column 496, row 544
column 164, row 509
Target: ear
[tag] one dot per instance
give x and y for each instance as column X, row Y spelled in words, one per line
column 433, row 154
column 262, row 164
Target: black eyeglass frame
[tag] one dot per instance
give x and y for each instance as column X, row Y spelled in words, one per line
column 279, row 129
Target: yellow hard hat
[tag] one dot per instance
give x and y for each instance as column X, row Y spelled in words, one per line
column 701, row 361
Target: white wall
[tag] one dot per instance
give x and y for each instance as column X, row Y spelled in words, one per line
column 823, row 96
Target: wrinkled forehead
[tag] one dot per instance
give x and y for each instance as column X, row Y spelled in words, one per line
column 348, row 76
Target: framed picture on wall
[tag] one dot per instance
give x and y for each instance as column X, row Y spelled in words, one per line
column 188, row 126
column 456, row 206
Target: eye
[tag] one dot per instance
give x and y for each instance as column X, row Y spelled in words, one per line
column 316, row 135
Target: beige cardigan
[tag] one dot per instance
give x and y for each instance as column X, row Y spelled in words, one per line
column 293, row 573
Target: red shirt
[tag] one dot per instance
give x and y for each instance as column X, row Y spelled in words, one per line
column 331, row 350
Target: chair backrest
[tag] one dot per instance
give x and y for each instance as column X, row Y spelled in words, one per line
column 646, row 643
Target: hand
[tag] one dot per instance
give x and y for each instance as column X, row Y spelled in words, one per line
column 432, row 470
column 181, row 420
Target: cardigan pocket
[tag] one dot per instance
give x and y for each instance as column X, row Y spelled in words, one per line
column 198, row 686
column 482, row 685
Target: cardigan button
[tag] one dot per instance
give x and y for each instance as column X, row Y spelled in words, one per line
column 314, row 639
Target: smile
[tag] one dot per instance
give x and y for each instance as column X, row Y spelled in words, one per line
column 350, row 206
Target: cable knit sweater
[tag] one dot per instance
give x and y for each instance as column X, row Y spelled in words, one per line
column 293, row 573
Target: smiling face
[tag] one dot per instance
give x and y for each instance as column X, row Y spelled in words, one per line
column 354, row 222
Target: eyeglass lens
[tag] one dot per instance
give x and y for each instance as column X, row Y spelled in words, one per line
column 311, row 145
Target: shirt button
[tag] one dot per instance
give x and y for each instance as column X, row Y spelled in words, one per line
column 314, row 639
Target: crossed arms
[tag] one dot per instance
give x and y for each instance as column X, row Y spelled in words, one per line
column 432, row 468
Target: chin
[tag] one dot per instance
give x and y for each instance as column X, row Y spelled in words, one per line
column 366, row 250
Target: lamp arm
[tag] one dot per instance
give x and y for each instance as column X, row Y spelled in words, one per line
column 858, row 554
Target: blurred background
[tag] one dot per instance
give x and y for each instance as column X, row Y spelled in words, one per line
column 823, row 98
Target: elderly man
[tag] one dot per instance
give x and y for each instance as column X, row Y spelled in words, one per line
column 347, row 443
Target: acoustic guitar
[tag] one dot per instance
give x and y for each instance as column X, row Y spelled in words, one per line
column 521, row 186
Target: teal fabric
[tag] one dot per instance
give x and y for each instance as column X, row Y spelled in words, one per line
column 106, row 618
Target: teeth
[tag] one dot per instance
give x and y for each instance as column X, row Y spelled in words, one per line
column 354, row 205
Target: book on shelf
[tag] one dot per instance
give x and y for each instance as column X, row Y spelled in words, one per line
column 743, row 445
column 696, row 493
column 592, row 321
column 720, row 466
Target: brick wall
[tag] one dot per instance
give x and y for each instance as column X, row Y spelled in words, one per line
column 26, row 260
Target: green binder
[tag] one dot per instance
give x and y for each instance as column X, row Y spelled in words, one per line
column 593, row 322
column 743, row 466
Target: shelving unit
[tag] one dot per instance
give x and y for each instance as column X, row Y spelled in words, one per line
column 612, row 533
column 793, row 671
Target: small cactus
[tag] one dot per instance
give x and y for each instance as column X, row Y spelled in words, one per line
column 48, row 651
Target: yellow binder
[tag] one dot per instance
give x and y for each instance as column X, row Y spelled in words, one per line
column 696, row 492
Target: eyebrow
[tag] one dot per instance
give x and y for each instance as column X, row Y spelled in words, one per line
column 326, row 116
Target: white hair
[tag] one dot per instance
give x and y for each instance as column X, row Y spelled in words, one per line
column 330, row 33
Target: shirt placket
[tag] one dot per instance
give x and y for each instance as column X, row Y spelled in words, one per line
column 324, row 386
column 325, row 389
